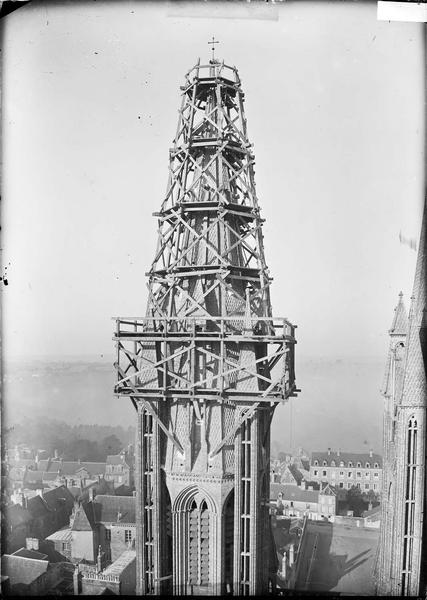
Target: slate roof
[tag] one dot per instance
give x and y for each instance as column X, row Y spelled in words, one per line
column 30, row 554
column 347, row 457
column 52, row 499
column 294, row 493
column 22, row 570
column 109, row 507
column 71, row 467
column 52, row 496
column 118, row 566
column 15, row 515
column 62, row 535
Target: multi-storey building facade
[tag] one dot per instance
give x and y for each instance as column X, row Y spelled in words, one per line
column 345, row 470
column 401, row 560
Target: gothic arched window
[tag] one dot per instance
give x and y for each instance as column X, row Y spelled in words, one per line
column 410, row 494
column 198, row 544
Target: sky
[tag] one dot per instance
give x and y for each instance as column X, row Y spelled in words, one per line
column 335, row 110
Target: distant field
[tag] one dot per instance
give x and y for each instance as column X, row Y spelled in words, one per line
column 339, row 405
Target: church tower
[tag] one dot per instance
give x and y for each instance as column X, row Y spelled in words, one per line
column 207, row 365
column 400, row 567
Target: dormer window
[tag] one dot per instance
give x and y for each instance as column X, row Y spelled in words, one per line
column 341, row 463
column 376, row 466
column 325, row 464
column 368, row 465
column 316, row 463
column 359, row 465
column 350, row 464
column 333, row 464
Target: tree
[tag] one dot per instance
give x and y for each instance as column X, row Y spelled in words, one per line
column 355, row 501
column 110, row 445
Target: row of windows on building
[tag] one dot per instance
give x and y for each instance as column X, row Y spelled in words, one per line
column 350, row 465
column 367, row 486
column 358, row 475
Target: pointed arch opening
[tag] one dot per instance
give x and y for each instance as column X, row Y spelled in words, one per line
column 410, row 495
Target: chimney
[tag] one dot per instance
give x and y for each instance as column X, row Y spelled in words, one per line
column 32, row 543
column 91, row 494
column 55, row 454
column 40, row 492
column 329, row 452
column 338, row 451
column 303, row 484
column 371, row 453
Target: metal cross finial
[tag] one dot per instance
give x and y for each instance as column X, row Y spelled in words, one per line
column 213, row 42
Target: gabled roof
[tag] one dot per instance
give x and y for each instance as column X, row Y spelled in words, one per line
column 115, row 509
column 328, row 491
column 22, row 570
column 293, row 493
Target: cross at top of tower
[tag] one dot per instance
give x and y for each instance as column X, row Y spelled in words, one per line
column 213, row 42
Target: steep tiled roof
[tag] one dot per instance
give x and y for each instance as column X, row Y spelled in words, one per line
column 414, row 384
column 114, row 509
column 292, row 492
column 83, row 518
column 22, row 570
column 57, row 495
column 346, row 457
